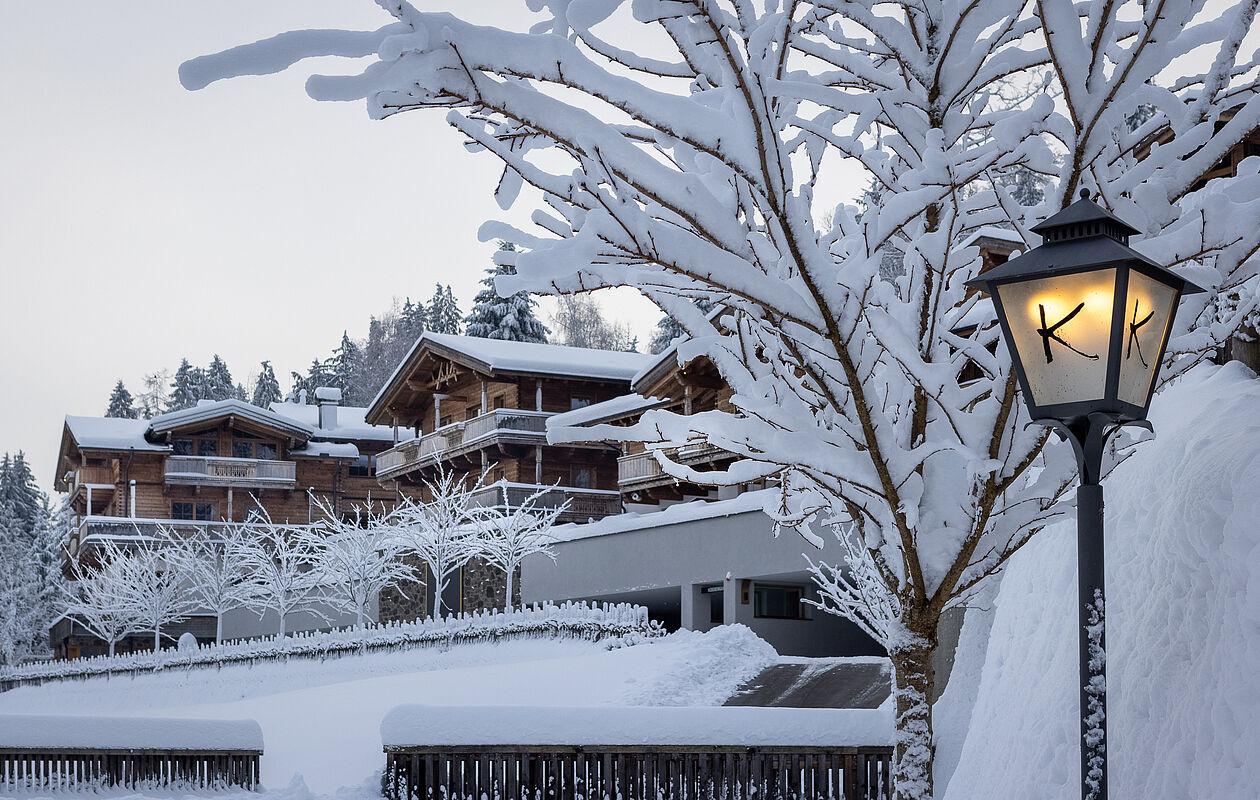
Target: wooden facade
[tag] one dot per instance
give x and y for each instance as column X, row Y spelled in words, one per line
column 453, row 409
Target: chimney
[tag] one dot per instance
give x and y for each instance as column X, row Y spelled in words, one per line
column 328, row 399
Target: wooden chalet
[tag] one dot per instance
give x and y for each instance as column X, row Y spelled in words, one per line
column 215, row 463
column 472, row 405
column 1226, row 167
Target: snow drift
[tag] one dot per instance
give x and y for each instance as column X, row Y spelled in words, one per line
column 1183, row 590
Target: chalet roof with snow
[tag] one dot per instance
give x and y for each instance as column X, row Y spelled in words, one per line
column 607, row 411
column 495, row 358
column 350, row 425
column 212, row 411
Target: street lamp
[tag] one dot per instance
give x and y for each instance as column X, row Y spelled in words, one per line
column 1086, row 319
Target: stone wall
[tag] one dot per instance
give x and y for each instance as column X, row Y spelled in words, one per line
column 408, row 602
column 484, row 586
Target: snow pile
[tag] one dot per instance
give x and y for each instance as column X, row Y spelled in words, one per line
column 593, row 622
column 1183, row 613
column 40, row 731
column 412, row 725
column 708, row 668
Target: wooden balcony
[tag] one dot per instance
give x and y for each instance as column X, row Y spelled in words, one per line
column 503, row 425
column 642, row 471
column 254, row 473
column 127, row 531
column 584, row 504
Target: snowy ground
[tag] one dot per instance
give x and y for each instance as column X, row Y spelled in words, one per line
column 321, row 721
column 1183, row 625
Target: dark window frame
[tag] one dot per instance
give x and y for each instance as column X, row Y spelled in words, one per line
column 794, row 610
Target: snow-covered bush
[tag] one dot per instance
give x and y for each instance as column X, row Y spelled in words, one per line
column 709, row 170
column 216, row 569
column 509, row 534
column 592, row 622
column 280, row 561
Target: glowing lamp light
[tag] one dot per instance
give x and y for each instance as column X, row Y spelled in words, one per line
column 1086, row 318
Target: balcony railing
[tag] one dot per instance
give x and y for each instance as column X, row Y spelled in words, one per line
column 584, row 504
column 97, row 476
column 640, row 470
column 214, row 471
column 126, row 531
column 526, row 427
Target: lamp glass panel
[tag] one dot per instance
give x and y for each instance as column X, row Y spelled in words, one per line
column 1147, row 308
column 1061, row 326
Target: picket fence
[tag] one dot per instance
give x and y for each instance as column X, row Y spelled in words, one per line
column 573, row 620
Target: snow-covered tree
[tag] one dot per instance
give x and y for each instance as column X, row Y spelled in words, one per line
column 511, row 318
column 359, row 557
column 580, row 322
column 150, row 585
column 668, row 329
column 20, row 609
column 711, row 173
column 121, row 405
column 442, row 315
column 441, row 531
column 280, row 562
column 344, row 368
column 187, row 387
column 156, row 397
column 509, row 534
column 96, row 597
column 266, row 388
column 20, row 492
column 218, row 381
column 216, row 570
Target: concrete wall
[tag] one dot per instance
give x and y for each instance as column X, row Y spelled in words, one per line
column 668, row 568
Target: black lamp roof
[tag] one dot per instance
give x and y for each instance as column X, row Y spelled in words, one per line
column 1073, row 253
column 1083, row 210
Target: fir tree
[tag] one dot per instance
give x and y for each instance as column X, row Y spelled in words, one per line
column 120, row 403
column 186, row 388
column 1026, row 187
column 412, row 321
column 443, row 315
column 511, row 318
column 19, row 493
column 267, row 388
column 343, row 369
column 218, row 382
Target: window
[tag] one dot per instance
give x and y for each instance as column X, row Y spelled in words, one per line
column 207, row 447
column 182, row 447
column 500, row 401
column 242, row 449
column 716, row 610
column 362, row 468
column 202, row 512
column 265, row 451
column 582, row 478
column 577, row 402
column 778, row 602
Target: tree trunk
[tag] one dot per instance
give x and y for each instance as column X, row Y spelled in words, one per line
column 113, row 643
column 218, row 628
column 913, row 683
column 282, row 621
column 507, row 602
column 157, row 638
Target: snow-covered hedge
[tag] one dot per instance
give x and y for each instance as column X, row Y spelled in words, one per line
column 594, row 622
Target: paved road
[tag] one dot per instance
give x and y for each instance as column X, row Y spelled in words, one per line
column 821, row 683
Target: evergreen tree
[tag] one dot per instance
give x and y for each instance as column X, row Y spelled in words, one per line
column 120, row 403
column 20, row 494
column 218, row 381
column 301, row 391
column 267, row 388
column 412, row 321
column 344, row 368
column 511, row 318
column 443, row 314
column 1027, row 187
column 186, row 388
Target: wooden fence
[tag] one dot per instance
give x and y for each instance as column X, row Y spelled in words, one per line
column 637, row 773
column 85, row 769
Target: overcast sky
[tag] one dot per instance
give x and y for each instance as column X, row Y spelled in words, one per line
column 141, row 223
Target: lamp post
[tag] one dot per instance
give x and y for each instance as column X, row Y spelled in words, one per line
column 1086, row 319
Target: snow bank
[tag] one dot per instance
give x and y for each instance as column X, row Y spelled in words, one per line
column 706, row 668
column 1183, row 590
column 414, row 725
column 37, row 731
column 593, row 621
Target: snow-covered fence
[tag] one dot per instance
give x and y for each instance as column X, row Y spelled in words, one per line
column 574, row 620
column 88, row 753
column 637, row 753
